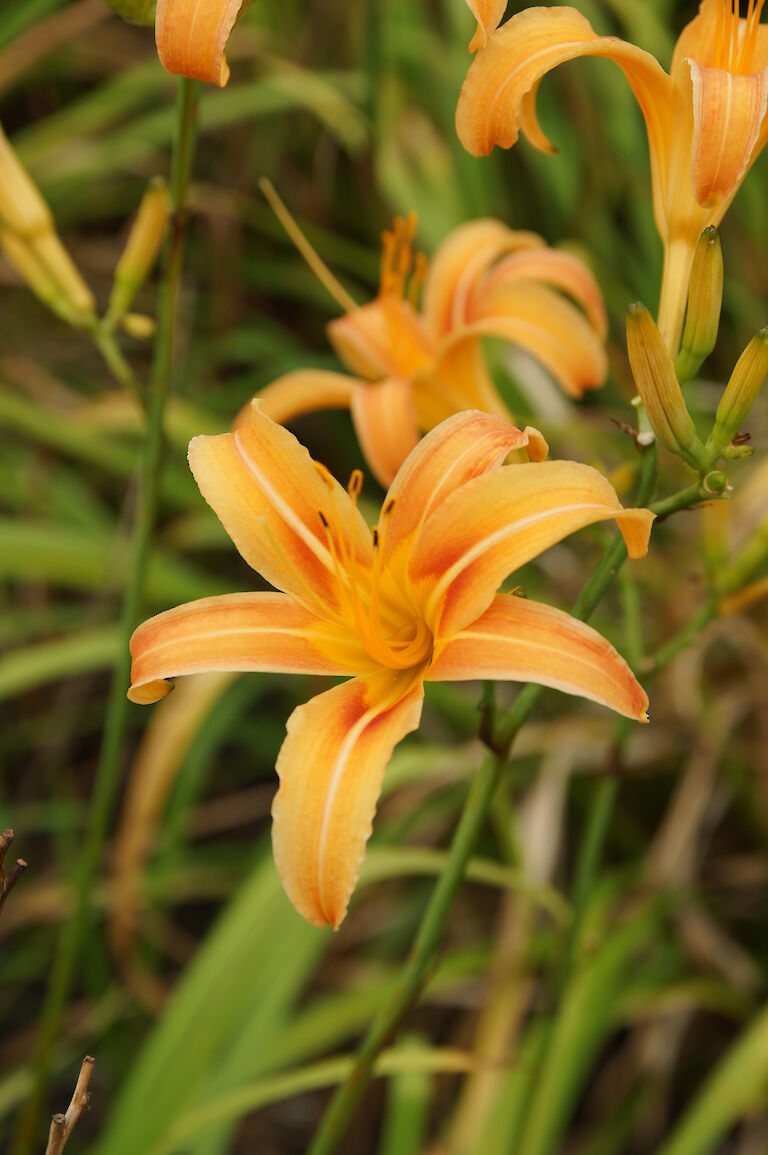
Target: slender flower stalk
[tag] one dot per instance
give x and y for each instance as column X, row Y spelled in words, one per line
column 107, row 775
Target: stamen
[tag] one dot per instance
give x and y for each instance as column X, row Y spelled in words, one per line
column 355, row 485
column 318, row 266
column 417, row 280
column 325, row 474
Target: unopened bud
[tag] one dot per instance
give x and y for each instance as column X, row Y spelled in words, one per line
column 142, row 246
column 741, row 391
column 46, row 267
column 660, row 391
column 705, row 300
column 134, row 11
column 139, row 326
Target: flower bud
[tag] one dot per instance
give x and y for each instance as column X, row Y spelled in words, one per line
column 705, row 299
column 142, row 247
column 134, row 11
column 741, row 392
column 26, row 222
column 138, row 326
column 659, row 388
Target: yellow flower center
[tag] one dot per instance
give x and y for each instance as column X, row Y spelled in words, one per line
column 383, row 619
column 736, row 39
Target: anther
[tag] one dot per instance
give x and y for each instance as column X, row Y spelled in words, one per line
column 323, row 519
column 324, row 474
column 389, row 506
column 355, row 485
column 375, row 537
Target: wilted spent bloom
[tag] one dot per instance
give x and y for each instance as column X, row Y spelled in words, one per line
column 192, row 35
column 659, row 388
column 142, row 247
column 741, row 392
column 410, row 601
column 29, row 240
column 705, row 301
column 416, row 350
column 705, row 119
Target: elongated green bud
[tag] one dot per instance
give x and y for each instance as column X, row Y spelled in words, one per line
column 135, row 11
column 741, row 392
column 142, row 247
column 705, row 301
column 659, row 389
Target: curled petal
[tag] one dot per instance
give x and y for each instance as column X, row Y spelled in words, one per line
column 516, row 58
column 383, row 339
column 552, row 267
column 497, row 523
column 191, row 37
column 268, row 494
column 728, row 114
column 462, row 448
column 550, row 328
column 488, row 14
column 303, row 391
column 265, row 632
column 331, row 767
column 461, row 261
column 525, row 641
column 385, row 422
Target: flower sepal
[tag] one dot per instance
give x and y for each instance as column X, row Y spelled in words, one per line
column 705, row 301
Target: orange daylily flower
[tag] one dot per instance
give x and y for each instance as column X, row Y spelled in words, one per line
column 192, row 35
column 414, row 367
column 706, row 121
column 414, row 599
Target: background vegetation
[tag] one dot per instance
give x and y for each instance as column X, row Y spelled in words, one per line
column 604, row 981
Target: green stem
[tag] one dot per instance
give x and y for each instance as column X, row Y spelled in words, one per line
column 108, row 771
column 116, row 362
column 471, row 822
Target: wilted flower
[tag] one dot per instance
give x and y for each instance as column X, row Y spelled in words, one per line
column 416, row 366
column 706, row 121
column 414, row 599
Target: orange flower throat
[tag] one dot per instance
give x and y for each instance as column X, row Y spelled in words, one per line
column 385, row 622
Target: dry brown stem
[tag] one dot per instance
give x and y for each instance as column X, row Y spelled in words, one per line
column 62, row 1126
column 9, row 880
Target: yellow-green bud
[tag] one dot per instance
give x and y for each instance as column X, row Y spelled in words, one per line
column 741, row 391
column 142, row 247
column 659, row 389
column 46, row 267
column 705, row 300
column 138, row 326
column 134, row 11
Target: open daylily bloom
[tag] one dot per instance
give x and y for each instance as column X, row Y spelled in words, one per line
column 414, row 367
column 706, row 121
column 192, row 35
column 413, row 599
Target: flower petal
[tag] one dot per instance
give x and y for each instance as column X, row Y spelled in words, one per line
column 552, row 267
column 303, row 391
column 496, row 523
column 385, row 338
column 385, row 422
column 553, row 330
column 707, row 40
column 268, row 494
column 458, row 380
column 331, row 767
column 461, row 448
column 520, row 53
column 266, row 632
column 488, row 14
column 525, row 641
column 191, row 37
column 728, row 113
column 464, row 257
